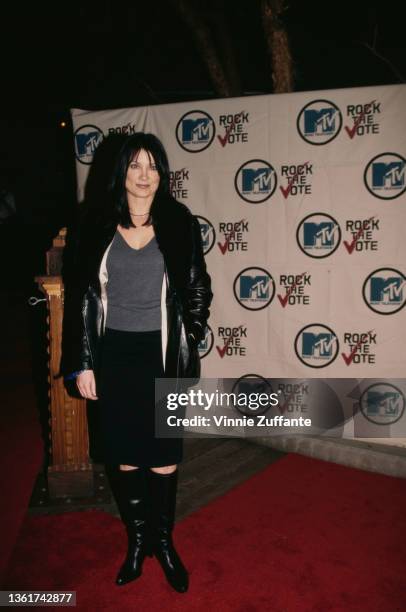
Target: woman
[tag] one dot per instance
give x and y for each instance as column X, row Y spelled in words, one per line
column 143, row 294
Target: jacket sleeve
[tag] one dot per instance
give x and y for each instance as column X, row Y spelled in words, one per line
column 76, row 354
column 199, row 294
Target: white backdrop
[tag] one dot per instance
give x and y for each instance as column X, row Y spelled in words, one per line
column 302, row 204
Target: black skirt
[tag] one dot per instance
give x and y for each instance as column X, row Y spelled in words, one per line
column 130, row 362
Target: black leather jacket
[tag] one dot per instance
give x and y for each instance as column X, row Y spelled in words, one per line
column 188, row 295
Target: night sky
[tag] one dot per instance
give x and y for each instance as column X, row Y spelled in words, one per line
column 112, row 54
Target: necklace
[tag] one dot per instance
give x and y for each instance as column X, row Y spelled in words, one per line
column 146, row 222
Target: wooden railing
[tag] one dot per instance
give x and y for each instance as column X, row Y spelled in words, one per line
column 70, row 470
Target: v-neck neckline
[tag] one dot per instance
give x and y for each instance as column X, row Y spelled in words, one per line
column 133, row 248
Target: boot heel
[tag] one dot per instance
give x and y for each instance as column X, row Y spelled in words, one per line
column 163, row 489
column 134, row 501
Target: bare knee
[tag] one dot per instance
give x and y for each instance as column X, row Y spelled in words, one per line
column 167, row 469
column 127, row 468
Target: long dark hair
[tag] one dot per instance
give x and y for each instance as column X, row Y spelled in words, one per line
column 130, row 149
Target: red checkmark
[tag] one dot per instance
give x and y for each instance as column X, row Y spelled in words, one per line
column 350, row 246
column 223, row 247
column 222, row 349
column 284, row 299
column 349, row 358
column 351, row 131
column 286, row 404
column 224, row 139
column 286, row 190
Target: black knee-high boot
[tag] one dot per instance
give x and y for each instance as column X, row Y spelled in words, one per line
column 163, row 488
column 134, row 511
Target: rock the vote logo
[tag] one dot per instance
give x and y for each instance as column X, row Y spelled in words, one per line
column 254, row 288
column 234, row 236
column 195, row 131
column 318, row 235
column 87, row 138
column 316, row 345
column 319, row 122
column 362, row 235
column 233, row 127
column 359, row 347
column 363, row 119
column 255, row 181
column 179, row 183
column 294, row 289
column 231, row 341
column 126, row 129
column 384, row 291
column 297, row 179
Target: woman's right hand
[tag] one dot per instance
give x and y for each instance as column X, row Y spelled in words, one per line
column 86, row 383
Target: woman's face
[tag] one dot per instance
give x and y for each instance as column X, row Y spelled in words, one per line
column 142, row 178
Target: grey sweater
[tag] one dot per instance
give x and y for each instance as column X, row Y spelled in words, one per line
column 134, row 286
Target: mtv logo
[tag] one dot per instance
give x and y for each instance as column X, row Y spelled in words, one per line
column 383, row 404
column 320, row 121
column 256, row 181
column 319, row 235
column 247, row 386
column 87, row 143
column 388, row 175
column 317, row 345
column 254, row 287
column 196, row 130
column 205, row 231
column 386, row 290
column 203, row 344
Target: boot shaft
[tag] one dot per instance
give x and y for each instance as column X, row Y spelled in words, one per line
column 163, row 493
column 132, row 494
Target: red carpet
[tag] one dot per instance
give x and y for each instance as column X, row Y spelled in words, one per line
column 21, row 445
column 302, row 535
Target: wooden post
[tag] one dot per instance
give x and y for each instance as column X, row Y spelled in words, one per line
column 70, row 472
